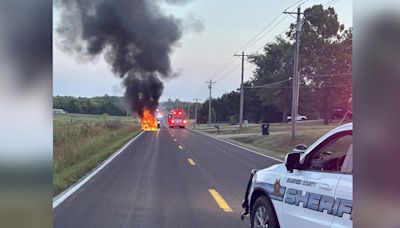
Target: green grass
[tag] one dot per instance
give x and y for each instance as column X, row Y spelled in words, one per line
column 87, row 118
column 279, row 142
column 274, row 127
column 81, row 142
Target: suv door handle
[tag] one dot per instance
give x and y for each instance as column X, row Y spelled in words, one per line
column 325, row 186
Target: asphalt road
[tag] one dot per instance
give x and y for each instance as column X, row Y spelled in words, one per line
column 168, row 178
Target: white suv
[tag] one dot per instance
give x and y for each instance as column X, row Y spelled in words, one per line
column 312, row 189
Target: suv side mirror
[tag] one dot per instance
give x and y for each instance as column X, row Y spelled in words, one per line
column 301, row 148
column 292, row 161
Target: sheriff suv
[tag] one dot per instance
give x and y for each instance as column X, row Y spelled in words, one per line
column 313, row 188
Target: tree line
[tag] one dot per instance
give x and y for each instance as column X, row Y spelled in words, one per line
column 111, row 105
column 325, row 68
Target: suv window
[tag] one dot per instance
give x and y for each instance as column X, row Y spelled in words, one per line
column 330, row 154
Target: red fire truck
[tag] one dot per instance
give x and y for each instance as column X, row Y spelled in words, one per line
column 177, row 118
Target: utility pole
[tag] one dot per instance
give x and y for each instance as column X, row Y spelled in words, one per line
column 241, row 93
column 189, row 111
column 296, row 78
column 195, row 114
column 209, row 84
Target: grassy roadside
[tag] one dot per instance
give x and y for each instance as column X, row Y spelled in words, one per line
column 256, row 128
column 279, row 142
column 278, row 145
column 81, row 142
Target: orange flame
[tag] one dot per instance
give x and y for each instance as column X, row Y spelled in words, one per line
column 149, row 122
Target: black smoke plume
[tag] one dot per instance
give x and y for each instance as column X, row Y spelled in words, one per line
column 135, row 36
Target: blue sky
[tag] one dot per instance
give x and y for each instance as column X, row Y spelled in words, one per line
column 228, row 25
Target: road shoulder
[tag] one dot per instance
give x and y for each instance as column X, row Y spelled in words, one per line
column 57, row 200
column 268, row 154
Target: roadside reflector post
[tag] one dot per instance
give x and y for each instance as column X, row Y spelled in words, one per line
column 217, row 126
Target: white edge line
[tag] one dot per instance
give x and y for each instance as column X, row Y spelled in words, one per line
column 57, row 200
column 244, row 148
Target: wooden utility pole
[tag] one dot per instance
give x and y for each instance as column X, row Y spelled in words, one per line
column 210, row 83
column 296, row 78
column 195, row 114
column 241, row 93
column 189, row 111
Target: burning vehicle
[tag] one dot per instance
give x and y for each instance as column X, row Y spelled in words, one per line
column 149, row 122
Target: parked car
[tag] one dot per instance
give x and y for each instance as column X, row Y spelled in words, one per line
column 298, row 118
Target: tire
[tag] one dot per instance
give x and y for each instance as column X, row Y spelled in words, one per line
column 263, row 208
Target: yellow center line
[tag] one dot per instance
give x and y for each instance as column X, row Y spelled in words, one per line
column 220, row 201
column 191, row 162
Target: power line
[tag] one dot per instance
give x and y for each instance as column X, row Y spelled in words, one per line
column 259, row 38
column 223, row 67
column 295, row 4
column 225, row 91
column 228, row 73
column 333, row 3
column 255, row 39
column 263, row 32
column 328, row 75
column 268, row 85
column 280, row 82
column 244, row 47
column 328, row 2
column 273, row 39
column 309, row 87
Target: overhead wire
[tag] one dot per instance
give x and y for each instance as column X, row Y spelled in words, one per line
column 245, row 46
column 333, row 3
column 263, row 32
column 268, row 85
column 329, row 2
column 228, row 73
column 223, row 67
column 327, row 75
column 254, row 40
column 307, row 87
column 276, row 25
column 280, row 82
column 223, row 90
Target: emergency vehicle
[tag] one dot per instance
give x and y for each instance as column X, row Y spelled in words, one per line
column 313, row 188
column 177, row 118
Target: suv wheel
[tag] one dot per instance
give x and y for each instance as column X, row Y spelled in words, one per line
column 263, row 214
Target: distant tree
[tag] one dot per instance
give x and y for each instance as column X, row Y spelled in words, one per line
column 325, row 63
column 325, row 49
column 274, row 66
column 110, row 105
